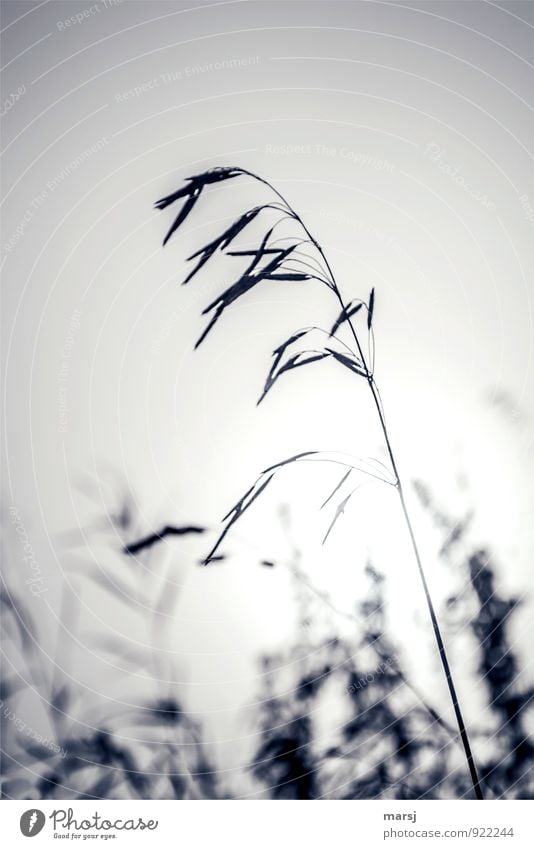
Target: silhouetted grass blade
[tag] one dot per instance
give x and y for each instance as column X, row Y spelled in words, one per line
column 274, row 269
column 182, row 215
column 370, row 309
column 339, row 512
column 338, row 487
column 348, row 362
column 244, row 284
column 251, row 277
column 167, row 531
column 289, row 276
column 238, row 507
column 215, row 558
column 192, row 192
column 346, row 313
column 254, row 252
column 184, row 192
column 303, row 358
column 286, row 462
column 224, row 240
column 242, row 506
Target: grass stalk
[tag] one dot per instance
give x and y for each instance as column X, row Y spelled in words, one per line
column 276, row 268
column 477, row 788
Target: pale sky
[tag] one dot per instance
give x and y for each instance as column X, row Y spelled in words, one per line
column 401, row 134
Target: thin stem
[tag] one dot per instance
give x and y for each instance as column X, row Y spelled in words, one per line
column 435, row 625
column 376, row 399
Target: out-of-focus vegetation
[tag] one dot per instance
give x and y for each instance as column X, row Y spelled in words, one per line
column 338, row 716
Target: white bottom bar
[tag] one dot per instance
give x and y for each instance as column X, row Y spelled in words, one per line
column 264, row 824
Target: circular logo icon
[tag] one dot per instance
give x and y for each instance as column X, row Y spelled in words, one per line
column 32, row 822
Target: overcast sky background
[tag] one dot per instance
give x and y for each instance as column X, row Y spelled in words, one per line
column 402, row 133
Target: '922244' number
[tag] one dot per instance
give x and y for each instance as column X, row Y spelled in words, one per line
column 492, row 831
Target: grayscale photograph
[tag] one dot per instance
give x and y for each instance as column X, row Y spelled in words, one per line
column 268, row 403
